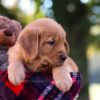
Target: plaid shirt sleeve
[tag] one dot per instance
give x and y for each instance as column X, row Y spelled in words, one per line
column 37, row 86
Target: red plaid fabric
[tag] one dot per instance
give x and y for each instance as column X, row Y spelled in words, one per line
column 37, row 86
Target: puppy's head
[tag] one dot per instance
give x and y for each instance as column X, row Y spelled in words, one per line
column 43, row 42
column 9, row 30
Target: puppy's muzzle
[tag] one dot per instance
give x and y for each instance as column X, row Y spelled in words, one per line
column 62, row 57
column 8, row 33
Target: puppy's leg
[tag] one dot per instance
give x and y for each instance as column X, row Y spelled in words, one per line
column 16, row 70
column 16, row 73
column 61, row 74
column 62, row 78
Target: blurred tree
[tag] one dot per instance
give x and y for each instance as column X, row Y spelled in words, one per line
column 17, row 13
column 4, row 11
column 73, row 16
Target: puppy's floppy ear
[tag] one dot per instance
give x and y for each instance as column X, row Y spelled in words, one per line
column 29, row 43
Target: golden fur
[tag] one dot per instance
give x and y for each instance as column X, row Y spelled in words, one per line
column 40, row 45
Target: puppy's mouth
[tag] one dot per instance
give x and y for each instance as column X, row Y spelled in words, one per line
column 51, row 64
column 47, row 67
column 56, row 62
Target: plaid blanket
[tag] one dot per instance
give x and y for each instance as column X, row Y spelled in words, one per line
column 37, row 86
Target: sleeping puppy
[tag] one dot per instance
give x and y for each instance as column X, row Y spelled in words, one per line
column 40, row 46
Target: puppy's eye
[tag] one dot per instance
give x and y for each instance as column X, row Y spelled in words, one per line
column 51, row 42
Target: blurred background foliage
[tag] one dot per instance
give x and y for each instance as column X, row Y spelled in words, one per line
column 80, row 19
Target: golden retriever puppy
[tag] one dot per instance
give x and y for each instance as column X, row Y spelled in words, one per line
column 40, row 46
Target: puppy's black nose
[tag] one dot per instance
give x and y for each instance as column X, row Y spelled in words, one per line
column 8, row 33
column 62, row 57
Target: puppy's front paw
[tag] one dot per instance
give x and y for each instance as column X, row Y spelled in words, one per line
column 16, row 73
column 62, row 79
